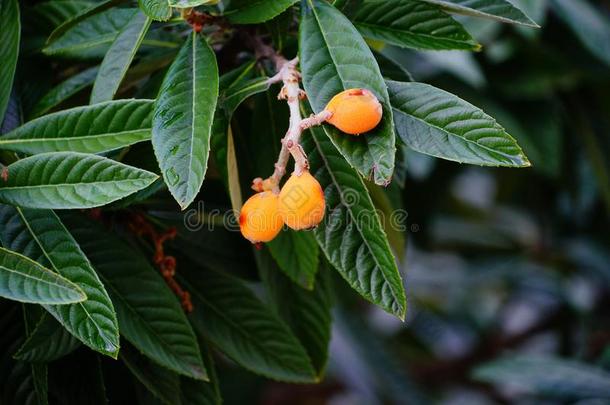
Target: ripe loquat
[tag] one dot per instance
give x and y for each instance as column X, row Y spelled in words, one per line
column 355, row 111
column 259, row 219
column 301, row 203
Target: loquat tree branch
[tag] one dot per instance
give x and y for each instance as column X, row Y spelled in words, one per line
column 288, row 74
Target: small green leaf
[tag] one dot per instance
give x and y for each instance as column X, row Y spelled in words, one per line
column 297, row 255
column 411, row 24
column 234, row 89
column 94, row 8
column 238, row 92
column 234, row 320
column 500, row 10
column 56, row 12
column 63, row 91
column 255, row 11
column 183, row 116
column 91, row 37
column 437, row 123
column 150, row 315
column 48, row 341
column 66, row 180
column 191, row 3
column 118, row 58
column 553, row 377
column 40, row 235
column 90, row 129
column 158, row 10
column 233, row 183
column 10, row 35
column 22, row 279
column 351, row 234
column 334, row 57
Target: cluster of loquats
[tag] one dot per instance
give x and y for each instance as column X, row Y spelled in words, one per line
column 300, row 203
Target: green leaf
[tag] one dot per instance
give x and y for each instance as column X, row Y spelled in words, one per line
column 589, row 24
column 500, row 10
column 150, row 315
column 233, row 183
column 22, row 279
column 230, row 316
column 158, row 10
column 89, row 129
column 118, row 58
column 63, row 91
column 234, row 89
column 385, row 208
column 55, row 12
column 94, row 8
column 410, row 24
column 297, row 255
column 351, row 234
column 191, row 3
column 334, row 57
column 65, row 180
column 238, row 92
column 48, row 341
column 437, row 123
column 182, row 119
column 547, row 376
column 91, row 37
column 163, row 383
column 255, row 11
column 10, row 35
column 41, row 236
column 307, row 312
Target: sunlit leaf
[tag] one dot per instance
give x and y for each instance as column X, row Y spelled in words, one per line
column 118, row 58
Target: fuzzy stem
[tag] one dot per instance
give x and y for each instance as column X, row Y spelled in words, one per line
column 289, row 75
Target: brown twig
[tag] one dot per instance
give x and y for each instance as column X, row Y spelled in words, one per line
column 166, row 264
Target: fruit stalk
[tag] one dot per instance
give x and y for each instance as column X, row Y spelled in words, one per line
column 290, row 76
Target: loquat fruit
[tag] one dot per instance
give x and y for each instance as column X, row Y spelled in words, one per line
column 354, row 111
column 259, row 219
column 301, row 202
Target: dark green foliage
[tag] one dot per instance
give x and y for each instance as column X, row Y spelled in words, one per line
column 132, row 131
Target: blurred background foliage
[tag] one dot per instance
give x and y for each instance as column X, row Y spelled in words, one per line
column 507, row 271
